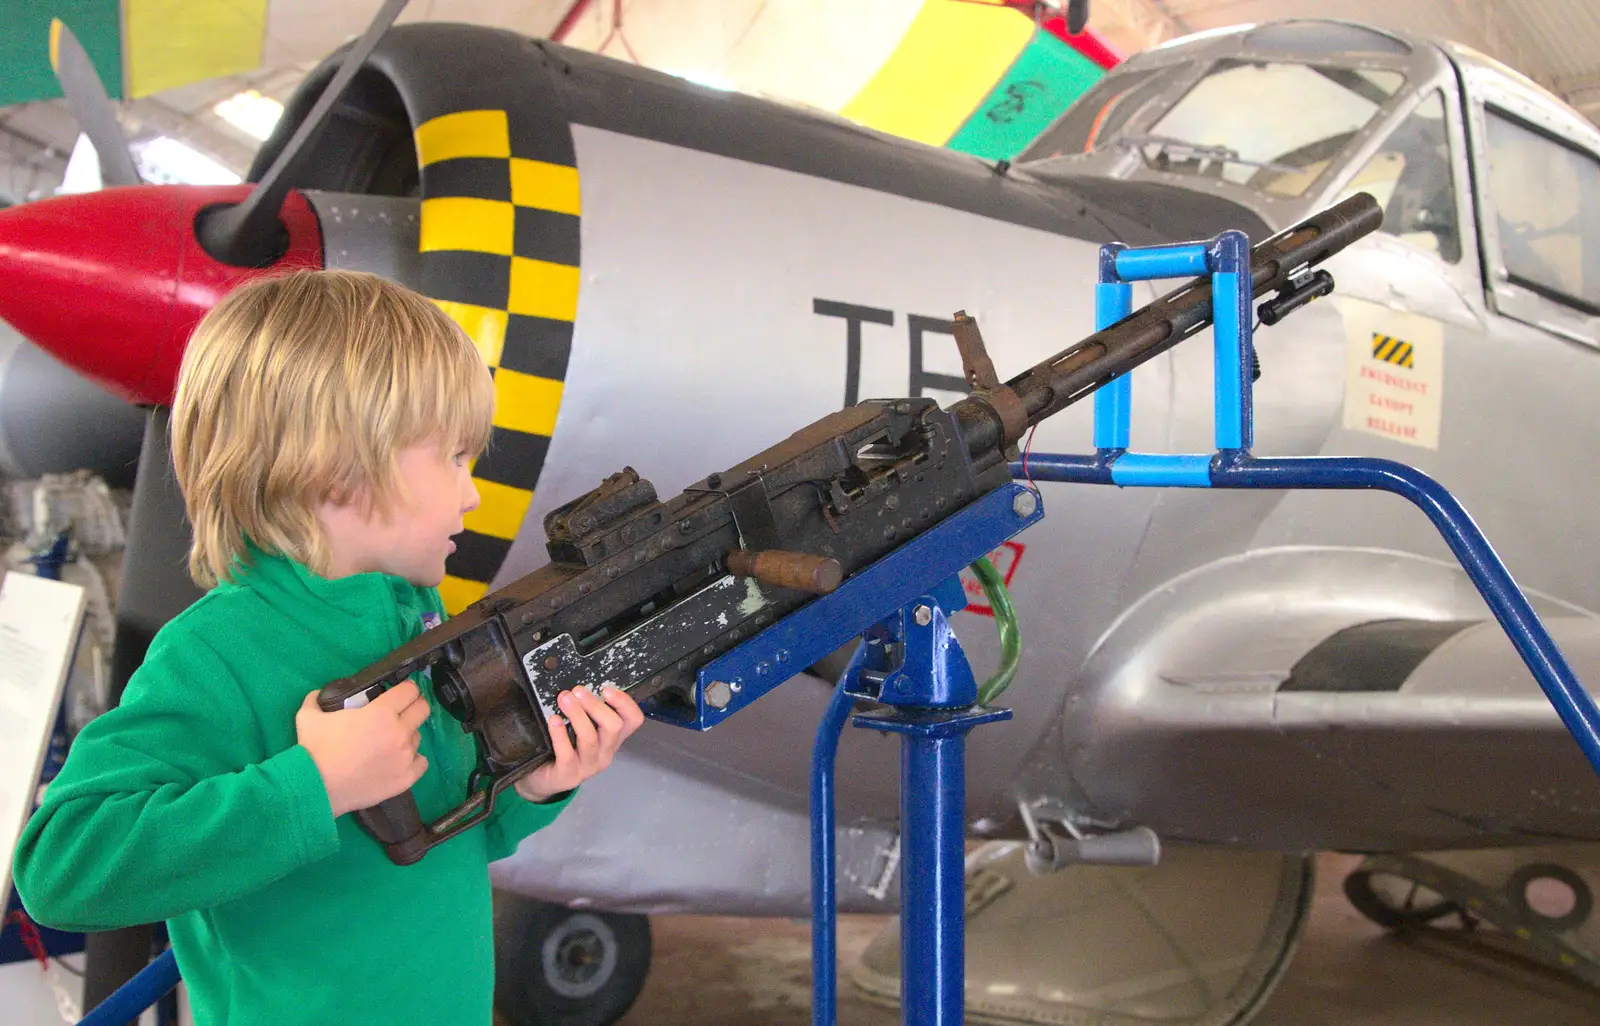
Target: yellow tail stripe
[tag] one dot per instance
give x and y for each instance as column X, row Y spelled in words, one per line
column 468, row 133
column 543, row 289
column 500, row 509
column 457, row 593
column 525, row 402
column 169, row 43
column 465, row 222
column 535, row 183
column 486, row 327
column 948, row 61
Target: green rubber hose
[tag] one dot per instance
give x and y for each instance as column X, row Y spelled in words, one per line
column 1005, row 621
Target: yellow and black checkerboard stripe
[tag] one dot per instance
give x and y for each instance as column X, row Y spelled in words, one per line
column 1391, row 350
column 499, row 251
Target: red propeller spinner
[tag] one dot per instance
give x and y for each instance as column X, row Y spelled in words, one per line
column 112, row 282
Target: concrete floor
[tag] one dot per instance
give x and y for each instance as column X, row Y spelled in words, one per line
column 718, row 971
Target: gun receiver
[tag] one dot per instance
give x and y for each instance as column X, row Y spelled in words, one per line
column 640, row 593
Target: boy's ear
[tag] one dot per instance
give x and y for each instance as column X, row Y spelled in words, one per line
column 357, row 499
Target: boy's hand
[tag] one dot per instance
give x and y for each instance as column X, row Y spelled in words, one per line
column 600, row 726
column 369, row 754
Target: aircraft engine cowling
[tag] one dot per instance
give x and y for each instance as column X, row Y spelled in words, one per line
column 615, row 238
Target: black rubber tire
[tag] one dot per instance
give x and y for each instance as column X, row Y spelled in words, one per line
column 1359, row 889
column 557, row 966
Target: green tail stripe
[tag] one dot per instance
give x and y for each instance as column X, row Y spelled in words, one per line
column 1041, row 83
column 25, row 73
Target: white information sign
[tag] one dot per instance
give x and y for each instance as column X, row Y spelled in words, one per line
column 39, row 623
column 1394, row 373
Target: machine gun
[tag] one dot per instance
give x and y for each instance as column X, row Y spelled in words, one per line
column 640, row 593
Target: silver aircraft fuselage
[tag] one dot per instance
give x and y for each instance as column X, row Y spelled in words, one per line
column 709, row 272
column 1294, row 671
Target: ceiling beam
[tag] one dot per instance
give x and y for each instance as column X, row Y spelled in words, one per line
column 30, row 168
column 150, row 117
column 44, row 150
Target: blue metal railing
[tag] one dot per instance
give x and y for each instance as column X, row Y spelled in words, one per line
column 1232, row 465
column 130, row 1000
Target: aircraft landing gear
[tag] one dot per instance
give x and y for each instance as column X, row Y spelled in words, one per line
column 1537, row 902
column 556, row 966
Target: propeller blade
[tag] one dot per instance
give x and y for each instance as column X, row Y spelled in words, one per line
column 250, row 233
column 86, row 95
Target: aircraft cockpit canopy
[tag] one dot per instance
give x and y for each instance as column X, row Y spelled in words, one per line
column 1477, row 168
column 1546, row 196
column 1272, row 126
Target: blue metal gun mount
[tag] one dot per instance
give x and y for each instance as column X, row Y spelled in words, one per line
column 1226, row 259
column 913, row 667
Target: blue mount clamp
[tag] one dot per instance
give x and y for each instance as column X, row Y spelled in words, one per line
column 735, row 679
column 1232, row 465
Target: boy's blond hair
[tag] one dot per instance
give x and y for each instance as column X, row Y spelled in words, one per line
column 300, row 389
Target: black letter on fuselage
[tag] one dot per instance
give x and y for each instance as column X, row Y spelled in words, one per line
column 853, row 316
column 920, row 378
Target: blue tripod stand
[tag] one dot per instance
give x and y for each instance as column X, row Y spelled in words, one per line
column 912, row 664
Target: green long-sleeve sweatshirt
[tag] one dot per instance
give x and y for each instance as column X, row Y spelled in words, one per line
column 192, row 802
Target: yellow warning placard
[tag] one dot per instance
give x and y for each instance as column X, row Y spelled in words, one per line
column 1394, row 373
column 1392, row 350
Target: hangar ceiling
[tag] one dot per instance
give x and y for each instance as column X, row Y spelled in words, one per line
column 818, row 52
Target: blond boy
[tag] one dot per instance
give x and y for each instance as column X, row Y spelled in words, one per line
column 321, row 434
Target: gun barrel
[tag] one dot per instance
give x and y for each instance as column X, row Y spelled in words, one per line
column 1063, row 379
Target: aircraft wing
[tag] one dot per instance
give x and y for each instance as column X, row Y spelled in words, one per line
column 1315, row 699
